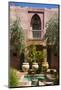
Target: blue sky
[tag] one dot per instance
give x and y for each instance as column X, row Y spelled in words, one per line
column 33, row 5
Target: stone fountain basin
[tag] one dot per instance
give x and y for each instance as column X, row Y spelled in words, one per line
column 36, row 76
column 34, row 80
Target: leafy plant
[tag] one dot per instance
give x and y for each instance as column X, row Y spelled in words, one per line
column 52, row 33
column 36, row 56
column 40, row 59
column 16, row 37
column 40, row 56
column 32, row 53
column 13, row 78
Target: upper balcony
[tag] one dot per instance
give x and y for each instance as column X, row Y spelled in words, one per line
column 34, row 37
column 34, row 34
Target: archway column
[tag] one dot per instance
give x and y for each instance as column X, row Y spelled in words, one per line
column 45, row 52
column 45, row 62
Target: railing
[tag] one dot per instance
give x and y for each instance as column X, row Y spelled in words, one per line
column 35, row 34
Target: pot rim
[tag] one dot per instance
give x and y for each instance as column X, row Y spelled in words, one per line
column 26, row 63
column 35, row 63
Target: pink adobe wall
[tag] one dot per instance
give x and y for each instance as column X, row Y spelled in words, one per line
column 25, row 18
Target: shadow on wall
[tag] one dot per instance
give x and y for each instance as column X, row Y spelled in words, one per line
column 16, row 61
column 55, row 62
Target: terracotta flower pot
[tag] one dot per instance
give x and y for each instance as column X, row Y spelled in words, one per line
column 25, row 66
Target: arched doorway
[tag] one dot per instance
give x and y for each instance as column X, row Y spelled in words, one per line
column 36, row 26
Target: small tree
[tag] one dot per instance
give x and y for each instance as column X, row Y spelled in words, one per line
column 52, row 34
column 16, row 37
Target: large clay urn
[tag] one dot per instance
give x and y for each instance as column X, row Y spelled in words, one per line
column 25, row 66
column 35, row 66
column 45, row 66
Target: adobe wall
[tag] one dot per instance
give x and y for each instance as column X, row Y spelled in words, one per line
column 25, row 20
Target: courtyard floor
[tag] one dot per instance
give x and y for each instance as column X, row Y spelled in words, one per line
column 35, row 80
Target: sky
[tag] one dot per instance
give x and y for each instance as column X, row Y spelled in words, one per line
column 33, row 5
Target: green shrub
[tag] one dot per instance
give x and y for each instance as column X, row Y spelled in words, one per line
column 40, row 56
column 32, row 53
column 13, row 78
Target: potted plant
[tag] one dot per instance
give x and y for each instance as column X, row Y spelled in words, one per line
column 40, row 59
column 45, row 65
column 32, row 57
column 25, row 66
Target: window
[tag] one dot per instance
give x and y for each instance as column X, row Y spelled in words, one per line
column 36, row 26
